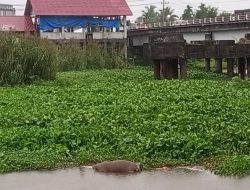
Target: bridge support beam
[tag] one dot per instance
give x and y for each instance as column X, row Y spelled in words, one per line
column 174, row 65
column 242, row 67
column 164, row 69
column 168, row 69
column 230, row 66
column 207, row 64
column 218, row 65
column 183, row 68
column 248, row 67
column 157, row 69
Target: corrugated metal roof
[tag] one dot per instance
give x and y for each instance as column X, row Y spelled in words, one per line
column 16, row 23
column 78, row 7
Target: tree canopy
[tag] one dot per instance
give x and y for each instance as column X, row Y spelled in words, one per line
column 204, row 11
column 152, row 15
column 188, row 13
column 167, row 14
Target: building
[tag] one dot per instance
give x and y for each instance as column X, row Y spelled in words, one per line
column 7, row 10
column 87, row 20
column 83, row 20
column 20, row 24
column 242, row 12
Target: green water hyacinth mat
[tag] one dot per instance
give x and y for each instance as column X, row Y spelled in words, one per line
column 91, row 116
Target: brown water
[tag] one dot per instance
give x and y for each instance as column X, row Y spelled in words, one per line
column 87, row 179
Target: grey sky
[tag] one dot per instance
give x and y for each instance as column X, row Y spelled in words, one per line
column 179, row 5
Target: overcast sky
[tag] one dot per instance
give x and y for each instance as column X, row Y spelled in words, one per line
column 178, row 5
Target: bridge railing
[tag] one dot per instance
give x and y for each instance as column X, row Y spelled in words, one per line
column 216, row 20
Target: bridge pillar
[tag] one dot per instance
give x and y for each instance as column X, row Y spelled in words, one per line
column 174, row 65
column 218, row 65
column 164, row 69
column 248, row 67
column 242, row 67
column 157, row 69
column 230, row 66
column 207, row 64
column 183, row 68
column 168, row 69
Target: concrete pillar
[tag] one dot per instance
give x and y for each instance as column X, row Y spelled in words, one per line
column 157, row 69
column 125, row 26
column 230, row 67
column 125, row 37
column 174, row 65
column 164, row 69
column 169, row 70
column 63, row 32
column 183, row 68
column 218, row 65
column 36, row 27
column 208, row 64
column 242, row 67
column 248, row 67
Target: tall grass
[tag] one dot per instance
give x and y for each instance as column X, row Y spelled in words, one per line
column 73, row 56
column 23, row 59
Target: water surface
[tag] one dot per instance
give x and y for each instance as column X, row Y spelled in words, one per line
column 87, row 179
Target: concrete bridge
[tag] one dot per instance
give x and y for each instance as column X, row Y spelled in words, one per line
column 218, row 28
column 167, row 46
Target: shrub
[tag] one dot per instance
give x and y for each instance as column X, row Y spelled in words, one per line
column 73, row 56
column 23, row 59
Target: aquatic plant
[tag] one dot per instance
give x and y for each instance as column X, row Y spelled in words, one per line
column 90, row 116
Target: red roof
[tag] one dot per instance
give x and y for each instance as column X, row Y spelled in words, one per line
column 78, row 8
column 16, row 23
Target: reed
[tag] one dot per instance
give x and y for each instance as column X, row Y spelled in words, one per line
column 24, row 59
column 74, row 57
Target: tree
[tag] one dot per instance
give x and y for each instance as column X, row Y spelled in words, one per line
column 150, row 15
column 167, row 14
column 188, row 13
column 206, row 11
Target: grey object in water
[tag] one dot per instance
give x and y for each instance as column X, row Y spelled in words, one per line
column 117, row 166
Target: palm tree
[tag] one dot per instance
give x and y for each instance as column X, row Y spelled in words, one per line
column 168, row 14
column 150, row 15
column 188, row 13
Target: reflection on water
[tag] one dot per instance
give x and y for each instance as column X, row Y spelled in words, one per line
column 87, row 179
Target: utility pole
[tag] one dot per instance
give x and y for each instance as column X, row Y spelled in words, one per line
column 163, row 10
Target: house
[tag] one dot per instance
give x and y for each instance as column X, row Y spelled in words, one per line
column 20, row 24
column 102, row 21
column 97, row 19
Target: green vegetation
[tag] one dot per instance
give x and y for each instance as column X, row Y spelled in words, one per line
column 22, row 60
column 26, row 59
column 235, row 165
column 151, row 15
column 89, row 116
column 73, row 57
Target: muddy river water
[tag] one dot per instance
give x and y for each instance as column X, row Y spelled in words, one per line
column 87, row 179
